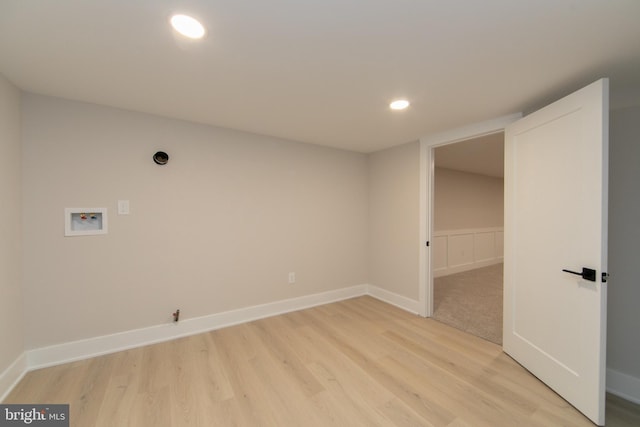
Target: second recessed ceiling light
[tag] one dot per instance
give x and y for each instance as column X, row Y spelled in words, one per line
column 399, row 104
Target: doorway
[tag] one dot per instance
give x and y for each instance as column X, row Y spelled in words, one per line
column 547, row 153
column 467, row 250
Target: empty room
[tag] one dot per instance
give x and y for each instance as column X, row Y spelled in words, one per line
column 227, row 213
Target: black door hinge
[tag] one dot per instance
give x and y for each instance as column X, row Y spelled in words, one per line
column 427, row 243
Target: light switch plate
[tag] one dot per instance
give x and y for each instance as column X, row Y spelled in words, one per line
column 123, row 207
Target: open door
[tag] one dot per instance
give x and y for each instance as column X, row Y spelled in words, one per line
column 555, row 220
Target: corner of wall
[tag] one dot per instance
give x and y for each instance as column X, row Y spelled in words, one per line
column 12, row 357
column 12, row 375
column 623, row 385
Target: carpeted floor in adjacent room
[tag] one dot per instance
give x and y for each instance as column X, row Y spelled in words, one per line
column 471, row 301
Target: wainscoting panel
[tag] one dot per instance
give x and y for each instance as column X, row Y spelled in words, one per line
column 460, row 250
column 439, row 252
column 455, row 251
column 484, row 246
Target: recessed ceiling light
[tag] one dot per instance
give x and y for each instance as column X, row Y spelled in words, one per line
column 188, row 26
column 399, row 104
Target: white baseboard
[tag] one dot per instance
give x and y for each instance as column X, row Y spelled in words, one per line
column 399, row 301
column 83, row 349
column 12, row 375
column 466, row 267
column 618, row 383
column 623, row 385
column 97, row 346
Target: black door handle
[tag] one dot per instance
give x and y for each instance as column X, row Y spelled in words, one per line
column 587, row 274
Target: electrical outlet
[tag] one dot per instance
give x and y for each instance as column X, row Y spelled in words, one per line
column 292, row 277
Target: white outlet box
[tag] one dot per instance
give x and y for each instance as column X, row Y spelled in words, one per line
column 292, row 277
column 85, row 221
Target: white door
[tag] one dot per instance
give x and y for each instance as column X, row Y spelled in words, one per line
column 555, row 220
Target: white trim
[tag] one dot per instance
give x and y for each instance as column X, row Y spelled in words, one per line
column 454, row 232
column 466, row 267
column 427, row 144
column 12, row 376
column 97, row 346
column 623, row 385
column 400, row 301
column 474, row 130
column 618, row 383
column 424, row 264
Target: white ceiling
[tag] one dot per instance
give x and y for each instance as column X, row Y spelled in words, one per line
column 483, row 155
column 324, row 72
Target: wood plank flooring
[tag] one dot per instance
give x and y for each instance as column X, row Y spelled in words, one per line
column 358, row 362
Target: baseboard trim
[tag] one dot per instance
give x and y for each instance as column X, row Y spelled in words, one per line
column 12, row 375
column 84, row 349
column 92, row 347
column 399, row 301
column 618, row 383
column 623, row 385
column 447, row 271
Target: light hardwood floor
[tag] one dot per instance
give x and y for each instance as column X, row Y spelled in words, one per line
column 358, row 362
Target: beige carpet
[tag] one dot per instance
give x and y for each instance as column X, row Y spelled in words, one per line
column 471, row 301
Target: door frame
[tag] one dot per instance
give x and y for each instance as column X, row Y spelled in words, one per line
column 427, row 169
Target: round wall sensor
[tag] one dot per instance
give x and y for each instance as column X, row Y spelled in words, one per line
column 161, row 158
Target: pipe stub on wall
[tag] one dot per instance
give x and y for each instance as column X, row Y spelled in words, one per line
column 161, row 158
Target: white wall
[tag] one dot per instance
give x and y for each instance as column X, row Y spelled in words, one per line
column 623, row 355
column 218, row 228
column 11, row 303
column 465, row 200
column 394, row 226
column 468, row 221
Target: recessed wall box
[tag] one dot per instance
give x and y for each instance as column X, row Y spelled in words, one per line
column 85, row 221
